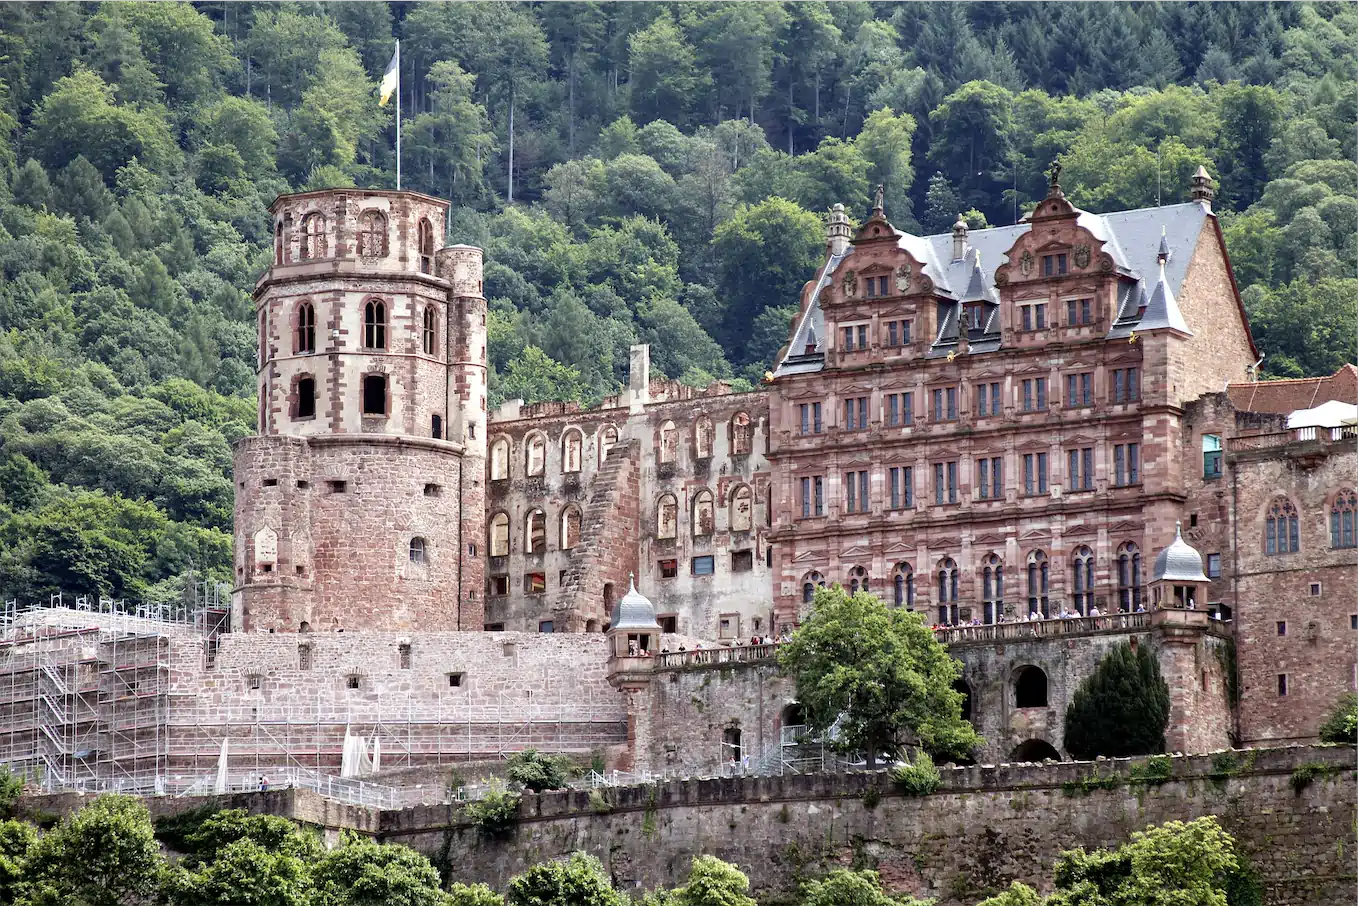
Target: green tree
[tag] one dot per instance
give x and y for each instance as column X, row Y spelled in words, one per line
column 1341, row 725
column 876, row 678
column 1016, row 894
column 453, row 138
column 105, row 854
column 17, row 839
column 361, row 872
column 538, row 772
column 664, row 75
column 1304, row 325
column 885, row 142
column 79, row 118
column 246, row 872
column 972, row 137
column 533, row 377
column 473, row 895
column 577, row 881
column 847, row 887
column 712, row 882
column 1120, row 709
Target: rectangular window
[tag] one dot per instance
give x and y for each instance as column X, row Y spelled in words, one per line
column 546, row 626
column 870, row 287
column 900, row 408
column 1079, row 312
column 1126, row 385
column 1080, row 389
column 810, row 418
column 668, row 568
column 945, row 482
column 1282, row 684
column 1053, row 265
column 1034, row 394
column 898, row 333
column 1214, row 566
column 1034, row 316
column 988, row 400
column 855, row 492
column 499, row 586
column 703, row 566
column 1126, row 465
column 848, row 339
column 902, row 481
column 1034, row 473
column 1080, row 469
column 813, row 496
column 1211, row 456
column 945, row 404
column 669, row 623
column 856, row 414
column 1282, row 627
column 855, row 337
column 742, row 561
column 990, row 478
column 534, row 583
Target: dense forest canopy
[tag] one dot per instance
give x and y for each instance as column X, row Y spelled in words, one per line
column 636, row 172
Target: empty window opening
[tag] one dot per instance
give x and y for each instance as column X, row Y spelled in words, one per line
column 1282, row 627
column 352, row 681
column 374, row 394
column 1315, row 589
column 271, row 482
column 256, row 681
column 455, row 679
column 1034, row 750
column 742, row 561
column 964, row 688
column 303, row 485
column 668, row 568
column 535, row 583
column 499, row 586
column 306, row 397
column 433, row 490
column 669, row 623
column 436, row 427
column 337, row 486
column 732, row 750
column 1030, row 688
column 494, row 627
column 1282, row 684
column 546, row 626
column 403, row 656
column 728, row 626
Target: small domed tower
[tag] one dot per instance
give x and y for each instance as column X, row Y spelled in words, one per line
column 358, row 504
column 1178, row 581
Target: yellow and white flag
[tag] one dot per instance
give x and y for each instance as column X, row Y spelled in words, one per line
column 391, row 78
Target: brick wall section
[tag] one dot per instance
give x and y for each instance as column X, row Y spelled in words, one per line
column 599, row 566
column 781, row 830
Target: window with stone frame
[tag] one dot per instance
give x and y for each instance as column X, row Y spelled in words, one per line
column 857, row 580
column 570, row 527
column 535, row 532
column 810, row 582
column 1129, row 577
column 280, row 242
column 1343, row 514
column 742, row 509
column 305, row 393
column 572, row 448
column 313, row 237
column 903, row 586
column 702, row 438
column 1038, row 583
column 372, row 234
column 426, row 241
column 499, row 458
column 740, row 434
column 947, row 575
column 419, row 554
column 669, row 442
column 1082, row 572
column 704, row 518
column 608, row 439
column 666, row 517
column 375, row 324
column 534, row 455
column 374, row 394
column 992, row 588
column 429, row 331
column 1281, row 528
column 498, row 542
column 304, row 342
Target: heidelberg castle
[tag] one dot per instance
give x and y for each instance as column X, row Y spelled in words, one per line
column 980, row 425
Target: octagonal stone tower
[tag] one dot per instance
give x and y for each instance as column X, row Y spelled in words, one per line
column 360, row 502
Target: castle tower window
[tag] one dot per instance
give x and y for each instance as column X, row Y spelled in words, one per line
column 903, row 586
column 374, row 394
column 304, row 658
column 535, row 455
column 375, row 324
column 669, row 442
column 372, row 235
column 666, row 517
column 306, row 329
column 742, row 509
column 426, row 246
column 570, row 528
column 1281, row 528
column 703, row 519
column 313, row 237
column 1129, row 578
column 436, row 426
column 499, row 535
column 992, row 588
column 353, row 681
column 1038, row 577
column 571, row 446
column 740, row 434
column 608, row 437
column 1342, row 517
column 1083, row 574
column 702, row 438
column 1211, row 456
column 279, row 242
column 858, row 580
column 947, row 591
column 428, row 334
column 306, row 397
column 810, row 582
column 535, row 532
column 499, row 459
column 403, row 656
column 417, row 551
column 1030, row 688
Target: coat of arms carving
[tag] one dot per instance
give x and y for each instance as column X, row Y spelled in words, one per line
column 903, row 278
column 1026, row 263
column 1082, row 254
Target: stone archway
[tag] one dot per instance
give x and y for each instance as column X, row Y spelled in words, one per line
column 1034, row 750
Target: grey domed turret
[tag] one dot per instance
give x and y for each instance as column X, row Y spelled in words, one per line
column 634, row 612
column 1179, row 562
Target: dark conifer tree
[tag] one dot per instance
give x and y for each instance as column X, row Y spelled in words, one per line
column 1120, row 709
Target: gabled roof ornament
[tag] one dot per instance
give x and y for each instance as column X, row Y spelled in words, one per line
column 1202, row 190
column 1054, row 180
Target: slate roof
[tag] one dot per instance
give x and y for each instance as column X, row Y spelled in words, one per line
column 1134, row 239
column 1287, row 396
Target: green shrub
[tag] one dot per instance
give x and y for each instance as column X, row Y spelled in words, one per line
column 496, row 813
column 11, row 786
column 598, row 803
column 1154, row 772
column 1305, row 773
column 1120, row 709
column 537, row 772
column 919, row 778
column 1342, row 724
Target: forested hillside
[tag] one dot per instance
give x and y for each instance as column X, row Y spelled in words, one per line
column 636, row 171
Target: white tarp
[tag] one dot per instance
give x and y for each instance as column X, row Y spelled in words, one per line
column 1331, row 414
column 355, row 760
column 220, row 785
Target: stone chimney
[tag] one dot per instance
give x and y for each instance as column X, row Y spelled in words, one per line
column 639, row 377
column 1202, row 190
column 959, row 239
column 837, row 232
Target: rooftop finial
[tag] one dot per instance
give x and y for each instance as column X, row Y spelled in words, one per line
column 1054, row 178
column 1162, row 255
column 879, row 201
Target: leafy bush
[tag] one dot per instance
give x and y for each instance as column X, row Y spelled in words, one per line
column 537, row 772
column 11, row 786
column 1120, row 709
column 495, row 814
column 598, row 803
column 1342, row 724
column 919, row 778
column 1306, row 773
column 1153, row 772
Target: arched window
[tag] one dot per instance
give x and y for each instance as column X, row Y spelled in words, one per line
column 571, row 446
column 306, row 397
column 313, row 236
column 305, row 341
column 535, row 455
column 947, row 591
column 1281, row 534
column 426, row 246
column 703, row 518
column 374, row 394
column 429, row 334
column 1342, row 518
column 742, row 509
column 372, row 234
column 499, row 535
column 669, row 442
column 992, row 588
column 858, row 580
column 535, row 532
column 810, row 582
column 279, row 241
column 1129, row 578
column 666, row 517
column 1037, row 583
column 570, row 527
column 499, row 458
column 1082, row 569
column 1030, row 688
column 417, row 551
column 608, row 438
column 903, row 586
column 375, row 324
column 740, row 434
column 702, row 438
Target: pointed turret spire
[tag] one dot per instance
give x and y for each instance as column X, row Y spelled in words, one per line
column 1162, row 309
column 837, row 231
column 1162, row 255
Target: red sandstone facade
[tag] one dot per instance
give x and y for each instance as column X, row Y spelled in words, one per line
column 360, row 504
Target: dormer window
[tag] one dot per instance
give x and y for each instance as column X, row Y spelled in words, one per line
column 975, row 316
column 855, row 337
column 1054, row 265
column 876, row 287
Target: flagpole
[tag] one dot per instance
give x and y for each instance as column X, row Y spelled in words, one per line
column 398, row 114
